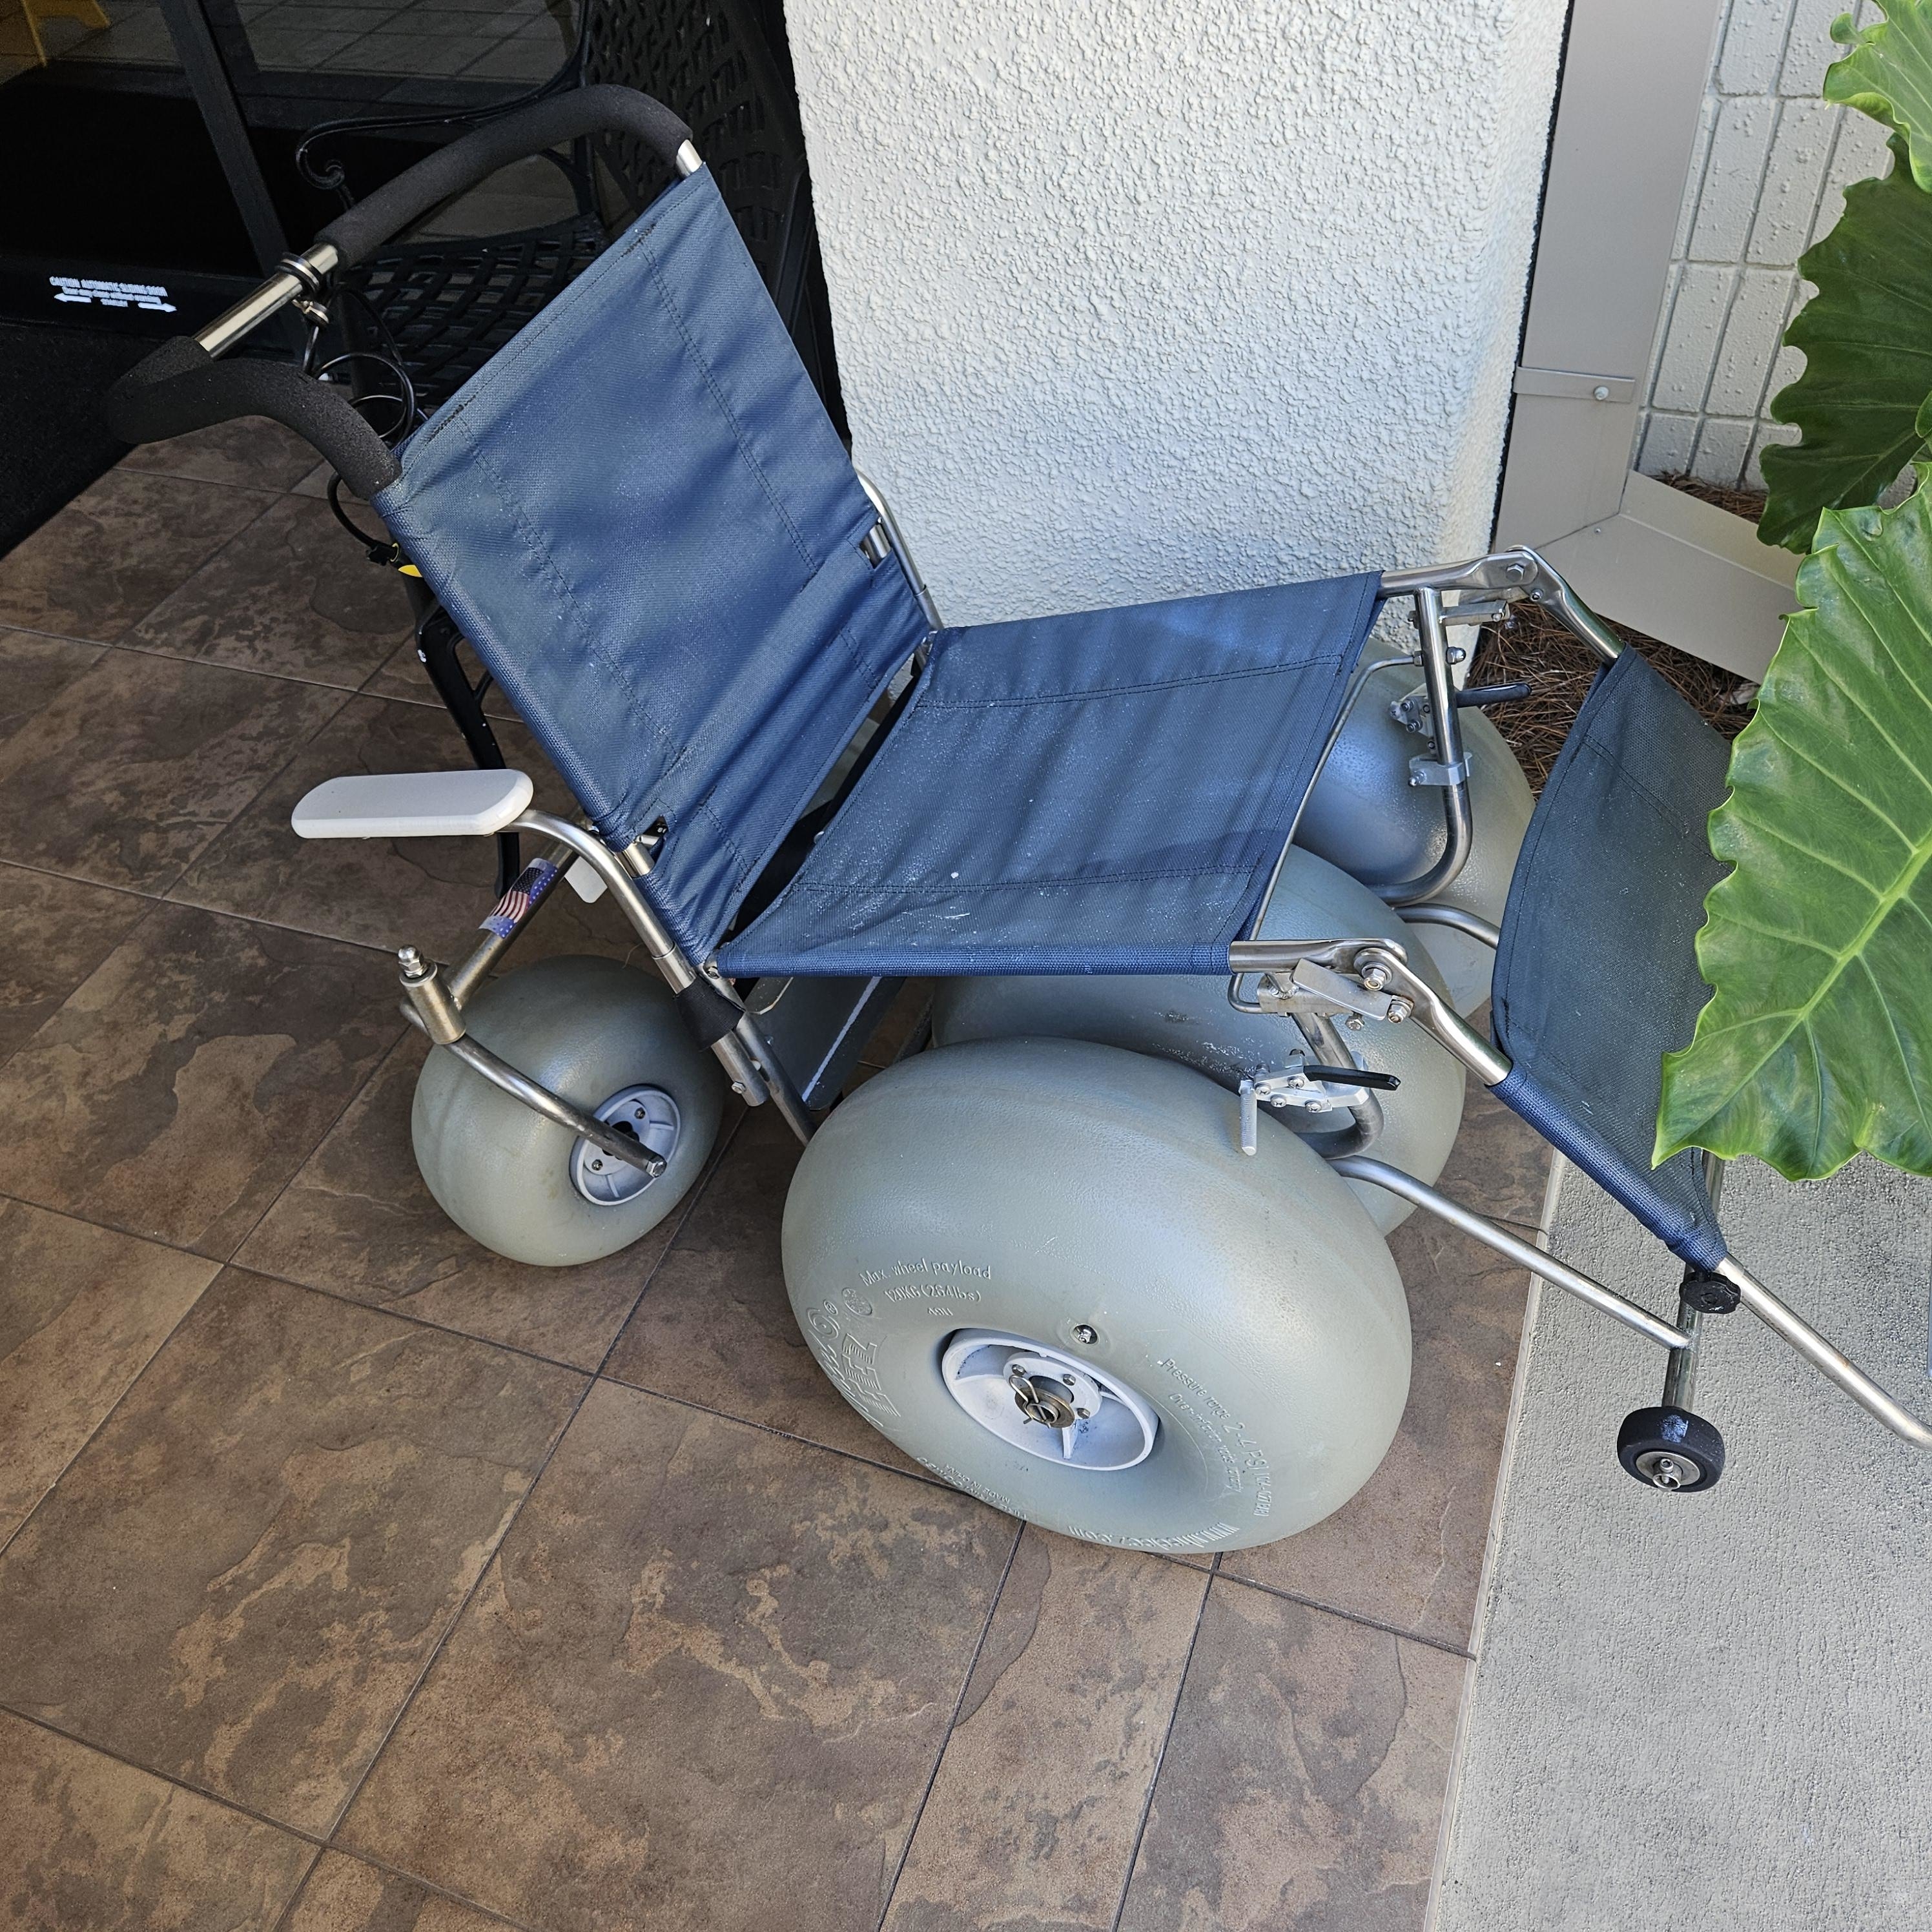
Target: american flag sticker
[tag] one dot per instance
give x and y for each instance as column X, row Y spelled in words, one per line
column 525, row 895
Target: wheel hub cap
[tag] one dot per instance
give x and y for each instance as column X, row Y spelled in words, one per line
column 1038, row 1398
column 1667, row 1472
column 648, row 1113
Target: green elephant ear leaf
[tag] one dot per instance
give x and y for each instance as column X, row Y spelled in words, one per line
column 1817, row 1042
column 1888, row 74
column 1867, row 336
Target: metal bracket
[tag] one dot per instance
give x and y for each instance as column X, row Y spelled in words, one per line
column 1432, row 771
column 1292, row 1088
column 1480, row 610
column 1296, row 975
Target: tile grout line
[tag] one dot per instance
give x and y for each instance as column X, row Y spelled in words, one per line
column 13, row 1052
column 1166, row 1739
column 134, row 1382
column 600, row 1374
column 1357, row 1617
column 951, row 1724
column 301, row 1886
column 221, row 1267
column 409, row 1878
column 172, row 656
column 169, row 1777
column 376, row 1066
column 162, row 898
column 272, row 495
column 490, row 1559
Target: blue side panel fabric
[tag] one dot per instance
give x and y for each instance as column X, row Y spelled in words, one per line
column 1596, row 979
column 640, row 517
column 1672, row 1211
column 1105, row 792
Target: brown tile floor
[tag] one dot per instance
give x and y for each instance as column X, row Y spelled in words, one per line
column 354, row 1578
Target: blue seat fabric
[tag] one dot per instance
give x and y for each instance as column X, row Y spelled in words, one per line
column 1105, row 792
column 642, row 521
column 1596, row 978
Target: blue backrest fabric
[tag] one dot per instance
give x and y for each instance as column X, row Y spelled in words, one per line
column 641, row 518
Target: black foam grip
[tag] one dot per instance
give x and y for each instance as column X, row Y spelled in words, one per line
column 399, row 203
column 180, row 387
column 709, row 1014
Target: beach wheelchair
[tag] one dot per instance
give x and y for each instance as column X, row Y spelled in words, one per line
column 1208, row 889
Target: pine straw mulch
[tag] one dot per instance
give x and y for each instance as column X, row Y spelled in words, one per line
column 1536, row 649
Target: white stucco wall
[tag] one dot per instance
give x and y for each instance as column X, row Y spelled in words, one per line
column 1138, row 298
column 1767, row 180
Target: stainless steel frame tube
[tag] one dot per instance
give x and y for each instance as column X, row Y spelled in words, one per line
column 1796, row 1333
column 1544, row 1266
column 274, row 295
column 540, row 1100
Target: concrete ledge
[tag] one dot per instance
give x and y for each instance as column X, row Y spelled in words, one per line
column 1700, row 1709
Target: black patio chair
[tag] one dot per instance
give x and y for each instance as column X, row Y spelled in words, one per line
column 443, row 306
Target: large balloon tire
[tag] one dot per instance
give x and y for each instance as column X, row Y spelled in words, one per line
column 1097, row 1202
column 586, row 1029
column 1189, row 1019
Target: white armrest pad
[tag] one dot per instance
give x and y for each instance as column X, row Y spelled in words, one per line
column 413, row 804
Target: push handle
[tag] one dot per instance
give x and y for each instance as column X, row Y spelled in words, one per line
column 604, row 109
column 182, row 387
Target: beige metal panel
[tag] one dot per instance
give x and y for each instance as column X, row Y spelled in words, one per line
column 1633, row 79
column 1567, row 461
column 1626, row 121
column 1683, row 571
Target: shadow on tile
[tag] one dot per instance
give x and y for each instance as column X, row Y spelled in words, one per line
column 83, row 1313
column 94, row 1844
column 117, row 550
column 239, row 1578
column 59, row 931
column 429, row 892
column 292, row 595
column 716, row 1326
column 358, row 1221
column 184, row 1081
column 1033, row 1818
column 136, row 765
column 718, row 1664
column 251, row 451
column 1408, row 1549
column 1304, row 1782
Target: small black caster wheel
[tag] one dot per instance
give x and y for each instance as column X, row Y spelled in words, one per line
column 1670, row 1449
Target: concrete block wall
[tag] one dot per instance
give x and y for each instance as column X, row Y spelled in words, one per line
column 1767, row 178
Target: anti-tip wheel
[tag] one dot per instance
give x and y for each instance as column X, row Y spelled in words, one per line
column 1671, row 1449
